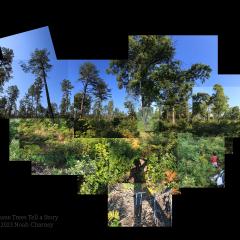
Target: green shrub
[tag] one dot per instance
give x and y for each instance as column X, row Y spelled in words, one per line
column 121, row 159
column 193, row 159
column 13, row 129
column 15, row 151
column 32, row 153
column 113, row 219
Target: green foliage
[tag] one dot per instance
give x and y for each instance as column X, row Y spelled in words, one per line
column 106, row 128
column 5, row 66
column 145, row 53
column 193, row 159
column 157, row 167
column 13, row 93
column 113, row 219
column 233, row 113
column 107, row 163
column 13, row 129
column 121, row 160
column 161, row 156
column 188, row 182
column 94, row 159
column 219, row 101
column 128, row 186
column 15, row 151
column 66, row 87
column 183, row 125
column 161, row 126
column 226, row 128
column 32, row 153
column 93, row 166
column 201, row 103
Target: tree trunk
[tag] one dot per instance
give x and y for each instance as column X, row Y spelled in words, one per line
column 159, row 116
column 173, row 116
column 83, row 99
column 9, row 111
column 37, row 107
column 67, row 103
column 33, row 109
column 48, row 97
column 167, row 115
column 187, row 111
column 144, row 112
column 142, row 101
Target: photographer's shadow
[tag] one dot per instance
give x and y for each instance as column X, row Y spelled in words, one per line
column 141, row 192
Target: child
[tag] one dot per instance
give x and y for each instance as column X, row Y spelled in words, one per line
column 214, row 159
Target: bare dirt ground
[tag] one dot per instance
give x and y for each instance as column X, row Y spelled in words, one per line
column 122, row 198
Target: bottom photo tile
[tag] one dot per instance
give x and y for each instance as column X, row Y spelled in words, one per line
column 135, row 205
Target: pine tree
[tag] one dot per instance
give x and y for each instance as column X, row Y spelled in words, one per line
column 13, row 93
column 219, row 101
column 39, row 65
column 65, row 103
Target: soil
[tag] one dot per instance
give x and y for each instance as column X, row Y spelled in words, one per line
column 122, row 198
column 40, row 169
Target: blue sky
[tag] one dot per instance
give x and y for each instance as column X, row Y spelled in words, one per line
column 189, row 49
column 25, row 43
column 204, row 49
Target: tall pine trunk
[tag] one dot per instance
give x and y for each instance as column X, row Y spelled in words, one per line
column 187, row 111
column 173, row 116
column 33, row 109
column 159, row 116
column 10, row 110
column 83, row 99
column 36, row 110
column 48, row 97
column 144, row 112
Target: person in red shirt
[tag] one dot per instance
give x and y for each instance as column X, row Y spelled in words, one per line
column 214, row 160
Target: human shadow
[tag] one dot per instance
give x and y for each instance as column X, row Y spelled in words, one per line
column 141, row 192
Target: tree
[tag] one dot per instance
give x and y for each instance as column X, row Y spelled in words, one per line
column 31, row 94
column 101, row 93
column 13, row 93
column 219, row 101
column 151, row 74
column 110, row 109
column 5, row 66
column 89, row 77
column 78, row 98
column 38, row 88
column 131, row 110
column 26, row 109
column 97, row 109
column 39, row 65
column 173, row 85
column 145, row 53
column 3, row 104
column 182, row 110
column 233, row 113
column 118, row 113
column 201, row 103
column 22, row 108
column 55, row 108
column 65, row 103
column 35, row 92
